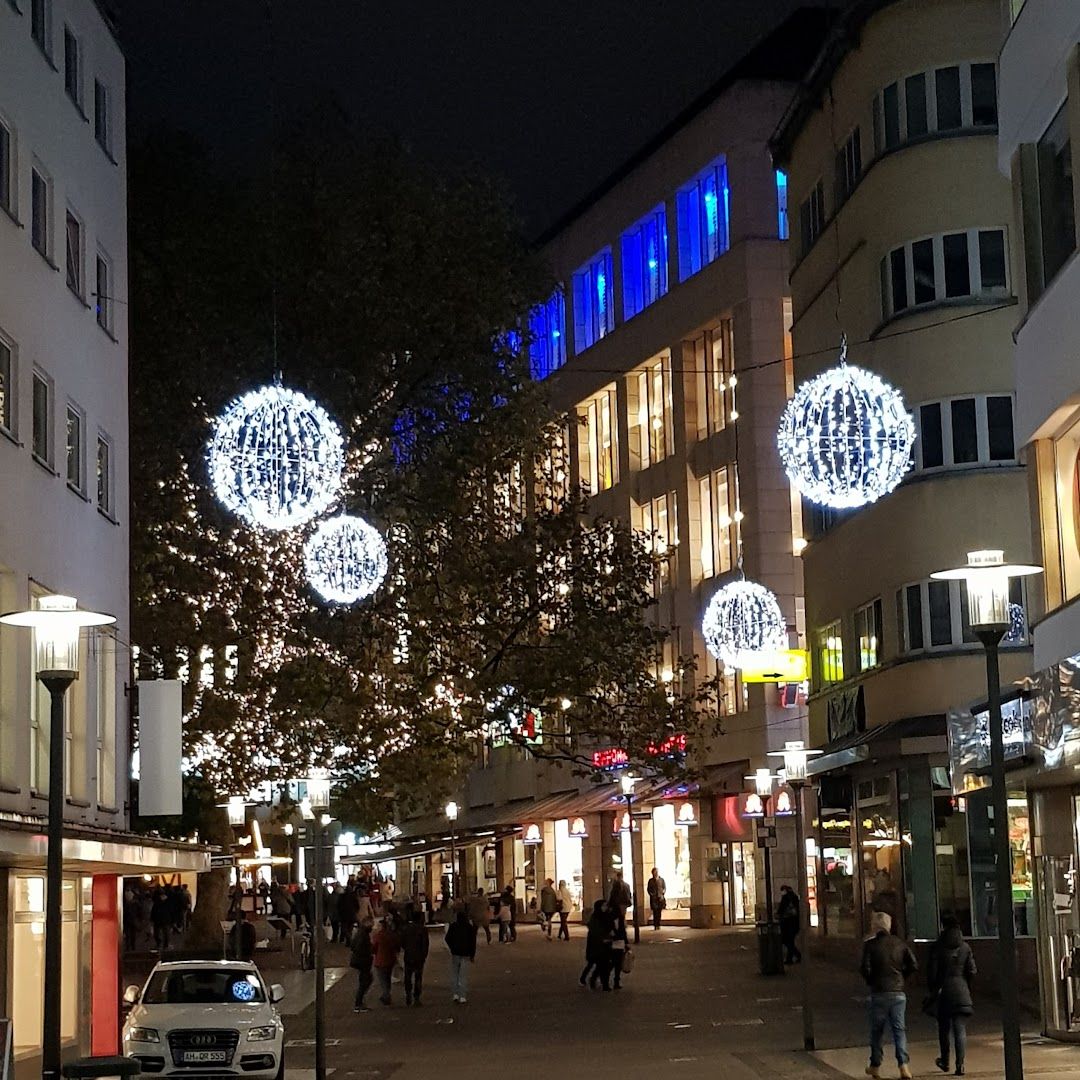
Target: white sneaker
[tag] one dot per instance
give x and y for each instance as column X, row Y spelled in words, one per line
column 456, row 999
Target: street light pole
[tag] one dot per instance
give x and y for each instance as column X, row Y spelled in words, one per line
column 452, row 815
column 628, row 783
column 314, row 808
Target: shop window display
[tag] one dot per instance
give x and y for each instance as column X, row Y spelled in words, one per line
column 837, row 861
column 984, row 901
column 880, row 850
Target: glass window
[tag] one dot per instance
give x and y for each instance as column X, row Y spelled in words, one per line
column 830, row 649
column 547, row 336
column 1055, row 181
column 999, row 427
column 930, row 436
column 5, row 168
column 74, row 449
column 71, row 66
column 991, row 259
column 594, row 312
column 644, row 262
column 914, row 617
column 922, row 268
column 812, row 216
column 983, row 95
column 39, row 212
column 654, row 433
column 898, row 271
column 105, row 645
column 600, row 460
column 74, row 260
column 104, row 475
column 7, row 387
column 702, row 208
column 102, row 127
column 915, row 99
column 891, row 108
column 714, row 360
column 42, row 395
column 102, row 297
column 957, row 272
column 940, row 613
column 783, row 229
column 965, row 435
column 848, row 165
column 868, row 635
column 719, row 529
column 947, row 85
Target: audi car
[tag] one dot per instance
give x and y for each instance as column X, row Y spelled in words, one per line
column 197, row 1018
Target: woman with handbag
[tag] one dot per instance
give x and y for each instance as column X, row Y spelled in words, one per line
column 952, row 967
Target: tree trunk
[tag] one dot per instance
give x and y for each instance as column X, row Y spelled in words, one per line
column 211, row 905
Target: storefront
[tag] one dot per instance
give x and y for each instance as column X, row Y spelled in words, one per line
column 733, row 859
column 569, row 857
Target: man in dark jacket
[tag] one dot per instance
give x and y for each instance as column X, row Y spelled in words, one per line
column 787, row 912
column 361, row 957
column 952, row 967
column 461, row 941
column 414, row 949
column 620, row 897
column 886, row 964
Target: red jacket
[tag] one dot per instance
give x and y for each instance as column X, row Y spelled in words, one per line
column 387, row 944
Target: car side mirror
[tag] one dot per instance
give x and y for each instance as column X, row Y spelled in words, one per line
column 277, row 992
column 132, row 995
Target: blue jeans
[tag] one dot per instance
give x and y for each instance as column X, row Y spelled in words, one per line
column 459, row 976
column 383, row 977
column 888, row 1009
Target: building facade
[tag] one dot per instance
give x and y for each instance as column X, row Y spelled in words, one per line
column 63, row 476
column 1039, row 121
column 903, row 242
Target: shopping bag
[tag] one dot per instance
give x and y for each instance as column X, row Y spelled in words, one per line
column 628, row 962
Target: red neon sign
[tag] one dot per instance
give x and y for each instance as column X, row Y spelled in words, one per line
column 610, row 759
column 673, row 744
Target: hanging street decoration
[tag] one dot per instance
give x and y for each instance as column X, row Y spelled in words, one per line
column 845, row 438
column 743, row 620
column 345, row 559
column 276, row 458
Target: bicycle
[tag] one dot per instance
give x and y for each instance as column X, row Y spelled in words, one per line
column 307, row 950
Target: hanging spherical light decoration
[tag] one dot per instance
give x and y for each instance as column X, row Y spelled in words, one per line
column 276, row 458
column 845, row 438
column 743, row 620
column 345, row 559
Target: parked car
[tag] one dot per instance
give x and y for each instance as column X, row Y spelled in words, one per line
column 198, row 1017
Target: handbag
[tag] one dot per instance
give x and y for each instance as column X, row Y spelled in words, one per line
column 628, row 962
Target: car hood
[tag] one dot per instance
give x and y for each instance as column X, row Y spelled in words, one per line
column 170, row 1017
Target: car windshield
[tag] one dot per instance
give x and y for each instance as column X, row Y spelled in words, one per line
column 203, row 986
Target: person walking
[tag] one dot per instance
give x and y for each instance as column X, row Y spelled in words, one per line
column 620, row 898
column 951, row 969
column 886, row 963
column 787, row 913
column 480, row 913
column 598, row 938
column 657, row 889
column 461, row 941
column 549, row 905
column 566, row 905
column 361, row 957
column 244, row 937
column 348, row 910
column 620, row 946
column 386, row 944
column 507, row 930
column 414, row 950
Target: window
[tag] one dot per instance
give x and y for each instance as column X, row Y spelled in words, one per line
column 594, row 312
column 103, row 293
column 598, row 457
column 783, row 228
column 75, row 448
column 947, row 267
column 72, row 79
column 714, row 361
column 105, row 645
column 73, row 231
column 658, row 519
column 644, row 262
column 547, row 328
column 955, row 98
column 41, row 24
column 830, row 653
column 719, row 519
column 102, row 125
column 1057, row 214
column 812, row 217
column 6, row 170
column 651, row 412
column 868, row 623
column 966, row 431
column 7, row 388
column 703, row 208
column 39, row 212
column 848, row 166
column 41, row 443
column 932, row 615
column 104, row 475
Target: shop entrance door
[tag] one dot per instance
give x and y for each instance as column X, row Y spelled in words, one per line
column 1060, row 949
column 743, row 882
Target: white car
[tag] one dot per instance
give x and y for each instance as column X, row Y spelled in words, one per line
column 196, row 1018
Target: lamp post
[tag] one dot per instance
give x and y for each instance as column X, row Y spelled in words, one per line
column 987, row 578
column 56, row 622
column 627, row 783
column 313, row 808
column 795, row 755
column 451, row 816
column 769, row 954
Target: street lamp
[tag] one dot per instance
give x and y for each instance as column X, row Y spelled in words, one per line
column 795, row 755
column 314, row 809
column 769, row 953
column 56, row 622
column 987, row 578
column 627, row 782
column 451, row 816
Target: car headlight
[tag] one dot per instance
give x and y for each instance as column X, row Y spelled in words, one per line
column 261, row 1034
column 141, row 1034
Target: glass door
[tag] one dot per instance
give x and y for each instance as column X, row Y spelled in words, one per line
column 743, row 882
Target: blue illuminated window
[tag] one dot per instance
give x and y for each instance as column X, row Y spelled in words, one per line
column 644, row 262
column 703, row 209
column 781, row 205
column 594, row 309
column 547, row 331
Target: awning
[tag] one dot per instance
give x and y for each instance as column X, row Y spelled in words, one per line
column 899, row 738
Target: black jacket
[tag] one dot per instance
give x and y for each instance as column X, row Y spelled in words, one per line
column 360, row 955
column 950, row 971
column 414, row 944
column 788, row 908
column 886, row 963
column 461, row 938
column 601, row 931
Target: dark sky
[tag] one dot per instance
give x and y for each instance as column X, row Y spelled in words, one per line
column 552, row 96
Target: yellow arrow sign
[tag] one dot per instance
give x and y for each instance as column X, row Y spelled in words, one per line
column 785, row 666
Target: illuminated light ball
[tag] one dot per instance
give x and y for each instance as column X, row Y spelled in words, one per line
column 276, row 458
column 345, row 559
column 742, row 621
column 845, row 438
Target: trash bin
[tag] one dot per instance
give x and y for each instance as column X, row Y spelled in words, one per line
column 770, row 949
column 92, row 1068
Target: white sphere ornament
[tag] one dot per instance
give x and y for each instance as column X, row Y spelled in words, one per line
column 276, row 458
column 743, row 620
column 845, row 438
column 345, row 559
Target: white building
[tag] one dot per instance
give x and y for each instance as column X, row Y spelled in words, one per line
column 64, row 487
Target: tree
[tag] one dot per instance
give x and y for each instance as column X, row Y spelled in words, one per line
column 400, row 294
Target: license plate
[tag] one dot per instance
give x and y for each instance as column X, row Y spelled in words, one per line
column 204, row 1057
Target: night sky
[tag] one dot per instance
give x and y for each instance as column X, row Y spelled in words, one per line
column 551, row 96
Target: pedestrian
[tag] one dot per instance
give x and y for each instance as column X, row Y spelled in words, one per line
column 364, row 909
column 414, row 950
column 162, row 919
column 131, row 919
column 480, row 913
column 186, row 906
column 657, row 889
column 306, row 903
column 787, row 912
column 386, row 944
column 348, row 910
column 620, row 897
column 461, row 941
column 507, row 931
column 620, row 946
column 951, row 969
column 333, row 909
column 600, row 932
column 886, row 964
column 549, row 904
column 566, row 905
column 361, row 957
column 243, row 935
column 281, row 907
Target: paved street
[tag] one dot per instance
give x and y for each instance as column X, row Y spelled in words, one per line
column 694, row 1008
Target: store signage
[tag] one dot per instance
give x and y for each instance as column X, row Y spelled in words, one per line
column 613, row 758
column 222, row 862
column 783, row 666
column 623, row 823
column 672, row 746
column 969, row 742
column 753, row 805
column 577, row 828
column 531, row 834
column 783, row 802
column 686, row 814
column 765, row 835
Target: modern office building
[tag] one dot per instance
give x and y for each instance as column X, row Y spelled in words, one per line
column 63, row 480
column 903, row 241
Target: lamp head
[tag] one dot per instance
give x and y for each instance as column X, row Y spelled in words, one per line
column 56, row 621
column 763, row 781
column 987, row 578
column 627, row 782
column 795, row 755
column 452, row 810
column 318, row 789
